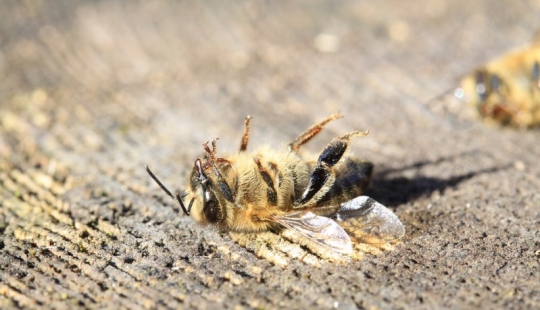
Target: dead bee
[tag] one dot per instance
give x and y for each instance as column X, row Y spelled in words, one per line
column 506, row 90
column 270, row 189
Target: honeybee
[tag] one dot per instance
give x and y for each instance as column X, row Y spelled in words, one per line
column 271, row 189
column 506, row 90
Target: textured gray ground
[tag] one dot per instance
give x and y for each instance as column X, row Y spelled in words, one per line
column 90, row 91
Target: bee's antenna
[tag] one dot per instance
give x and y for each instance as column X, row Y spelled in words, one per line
column 186, row 212
column 158, row 182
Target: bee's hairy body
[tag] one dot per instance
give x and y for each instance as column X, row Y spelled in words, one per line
column 270, row 189
column 268, row 183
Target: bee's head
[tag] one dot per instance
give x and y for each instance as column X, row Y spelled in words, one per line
column 210, row 193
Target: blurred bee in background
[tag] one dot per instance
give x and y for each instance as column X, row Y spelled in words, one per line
column 506, row 90
column 271, row 189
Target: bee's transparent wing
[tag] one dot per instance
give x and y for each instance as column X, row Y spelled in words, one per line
column 368, row 221
column 319, row 229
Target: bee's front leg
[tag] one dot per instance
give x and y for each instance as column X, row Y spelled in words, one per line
column 322, row 174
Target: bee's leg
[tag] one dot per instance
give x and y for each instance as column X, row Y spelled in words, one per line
column 311, row 132
column 322, row 173
column 210, row 153
column 271, row 194
column 245, row 136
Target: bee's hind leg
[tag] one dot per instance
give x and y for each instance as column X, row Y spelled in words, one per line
column 322, row 173
column 311, row 132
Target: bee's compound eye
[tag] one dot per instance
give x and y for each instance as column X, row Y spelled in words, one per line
column 211, row 211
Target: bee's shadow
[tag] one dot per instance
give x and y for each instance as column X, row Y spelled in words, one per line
column 392, row 189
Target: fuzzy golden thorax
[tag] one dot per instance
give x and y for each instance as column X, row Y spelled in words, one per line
column 243, row 191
